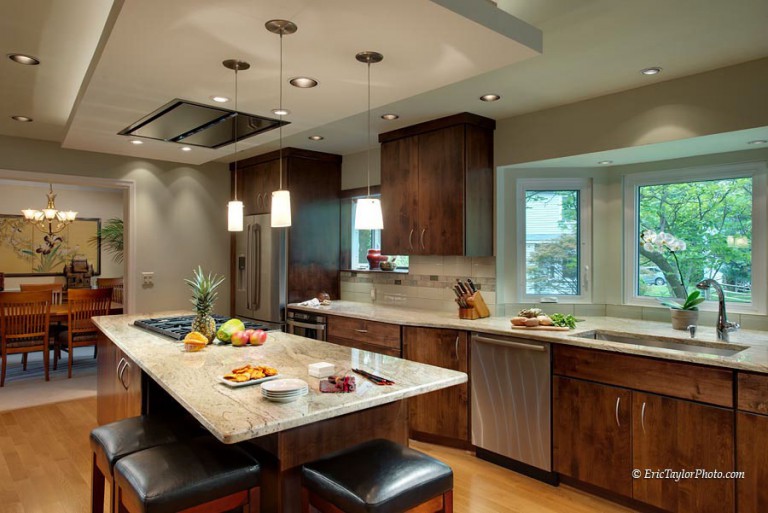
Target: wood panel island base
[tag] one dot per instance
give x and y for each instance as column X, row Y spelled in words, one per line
column 284, row 435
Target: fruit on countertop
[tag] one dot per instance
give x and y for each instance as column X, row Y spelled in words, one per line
column 532, row 322
column 530, row 313
column 228, row 328
column 526, row 318
column 239, row 338
column 544, row 320
column 258, row 337
column 195, row 341
column 519, row 321
column 203, row 297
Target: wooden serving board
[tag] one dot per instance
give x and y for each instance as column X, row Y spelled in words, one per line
column 542, row 328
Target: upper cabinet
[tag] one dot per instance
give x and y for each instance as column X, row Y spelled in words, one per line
column 437, row 187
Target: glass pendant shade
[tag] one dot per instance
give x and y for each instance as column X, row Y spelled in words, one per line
column 235, row 216
column 368, row 214
column 281, row 209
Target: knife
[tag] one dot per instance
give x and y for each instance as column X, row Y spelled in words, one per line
column 461, row 287
column 471, row 285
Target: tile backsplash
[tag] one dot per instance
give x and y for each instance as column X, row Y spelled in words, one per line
column 427, row 285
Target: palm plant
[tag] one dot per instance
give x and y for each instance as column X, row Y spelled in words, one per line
column 111, row 237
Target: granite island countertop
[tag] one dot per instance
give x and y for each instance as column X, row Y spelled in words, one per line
column 754, row 359
column 237, row 414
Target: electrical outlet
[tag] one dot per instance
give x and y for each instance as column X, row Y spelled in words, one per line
column 147, row 279
column 373, row 294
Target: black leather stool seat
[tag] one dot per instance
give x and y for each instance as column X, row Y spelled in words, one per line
column 124, row 437
column 169, row 478
column 379, row 476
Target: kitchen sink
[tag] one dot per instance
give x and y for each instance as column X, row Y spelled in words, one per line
column 686, row 345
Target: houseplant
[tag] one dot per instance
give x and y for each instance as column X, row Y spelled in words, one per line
column 683, row 313
column 110, row 235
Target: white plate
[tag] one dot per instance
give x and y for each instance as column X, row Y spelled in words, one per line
column 235, row 384
column 286, row 385
column 285, row 399
column 284, row 394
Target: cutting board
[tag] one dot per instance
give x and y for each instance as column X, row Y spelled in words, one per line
column 542, row 328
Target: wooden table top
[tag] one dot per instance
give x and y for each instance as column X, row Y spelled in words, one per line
column 59, row 312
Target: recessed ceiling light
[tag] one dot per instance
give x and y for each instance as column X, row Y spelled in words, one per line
column 303, row 82
column 219, row 99
column 281, row 112
column 389, row 117
column 655, row 70
column 24, row 59
column 316, row 137
column 758, row 141
column 186, row 148
column 23, row 119
column 490, row 97
column 136, row 142
column 605, row 162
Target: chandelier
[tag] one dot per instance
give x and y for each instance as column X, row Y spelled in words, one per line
column 49, row 220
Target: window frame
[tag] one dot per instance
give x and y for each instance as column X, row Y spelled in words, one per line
column 755, row 170
column 584, row 186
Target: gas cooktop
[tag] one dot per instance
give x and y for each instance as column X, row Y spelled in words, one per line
column 178, row 327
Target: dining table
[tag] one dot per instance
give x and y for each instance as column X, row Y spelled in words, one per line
column 59, row 312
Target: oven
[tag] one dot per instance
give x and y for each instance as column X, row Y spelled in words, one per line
column 306, row 324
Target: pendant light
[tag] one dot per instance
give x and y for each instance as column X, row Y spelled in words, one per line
column 368, row 212
column 235, row 207
column 281, row 199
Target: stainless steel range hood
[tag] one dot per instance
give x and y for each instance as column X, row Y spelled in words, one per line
column 196, row 124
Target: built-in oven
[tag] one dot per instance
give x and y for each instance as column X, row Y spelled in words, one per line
column 307, row 324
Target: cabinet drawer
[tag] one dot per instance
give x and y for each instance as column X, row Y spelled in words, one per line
column 368, row 332
column 675, row 379
column 753, row 392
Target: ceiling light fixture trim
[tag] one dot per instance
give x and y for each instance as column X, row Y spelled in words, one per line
column 219, row 99
column 315, row 137
column 653, row 70
column 23, row 119
column 389, row 116
column 605, row 162
column 24, row 59
column 758, row 141
column 303, row 82
column 490, row 97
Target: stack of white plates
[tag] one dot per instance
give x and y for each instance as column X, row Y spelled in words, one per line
column 284, row 390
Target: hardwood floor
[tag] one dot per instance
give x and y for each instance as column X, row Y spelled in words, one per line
column 45, row 468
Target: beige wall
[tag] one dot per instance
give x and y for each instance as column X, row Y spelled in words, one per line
column 180, row 214
column 354, row 169
column 723, row 100
column 103, row 204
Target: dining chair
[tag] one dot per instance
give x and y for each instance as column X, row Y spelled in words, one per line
column 24, row 323
column 82, row 304
column 57, row 295
column 116, row 284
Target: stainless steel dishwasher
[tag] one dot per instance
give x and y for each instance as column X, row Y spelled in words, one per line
column 511, row 404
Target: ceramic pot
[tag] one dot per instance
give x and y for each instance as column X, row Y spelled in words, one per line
column 374, row 258
column 681, row 319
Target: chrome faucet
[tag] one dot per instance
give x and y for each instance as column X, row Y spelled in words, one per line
column 723, row 326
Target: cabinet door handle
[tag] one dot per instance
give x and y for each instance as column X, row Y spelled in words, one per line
column 642, row 417
column 423, row 230
column 361, row 331
column 456, row 347
column 122, row 372
column 618, row 403
column 410, row 239
column 119, row 365
column 262, row 199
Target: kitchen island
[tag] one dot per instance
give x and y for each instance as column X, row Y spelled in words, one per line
column 287, row 435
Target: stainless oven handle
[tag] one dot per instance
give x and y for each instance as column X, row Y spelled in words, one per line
column 318, row 327
column 509, row 343
column 248, row 267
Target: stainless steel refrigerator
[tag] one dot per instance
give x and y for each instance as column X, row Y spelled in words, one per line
column 261, row 256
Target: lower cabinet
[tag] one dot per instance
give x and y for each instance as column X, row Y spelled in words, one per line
column 118, row 384
column 592, row 433
column 751, row 451
column 603, row 432
column 441, row 416
column 378, row 337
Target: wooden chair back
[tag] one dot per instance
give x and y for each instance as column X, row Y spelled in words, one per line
column 116, row 284
column 57, row 290
column 24, row 316
column 82, row 304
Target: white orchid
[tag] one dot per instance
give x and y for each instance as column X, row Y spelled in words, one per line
column 655, row 242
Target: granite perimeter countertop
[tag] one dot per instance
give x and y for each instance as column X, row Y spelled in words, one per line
column 754, row 358
column 237, row 414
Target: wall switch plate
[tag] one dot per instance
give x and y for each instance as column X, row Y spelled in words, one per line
column 147, row 279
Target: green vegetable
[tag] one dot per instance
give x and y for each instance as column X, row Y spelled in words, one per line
column 692, row 302
column 229, row 328
column 561, row 320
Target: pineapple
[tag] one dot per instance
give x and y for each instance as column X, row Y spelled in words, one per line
column 204, row 294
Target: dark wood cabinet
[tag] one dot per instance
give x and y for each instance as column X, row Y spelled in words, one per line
column 441, row 416
column 378, row 337
column 592, row 433
column 681, row 435
column 751, row 449
column 118, row 384
column 314, row 181
column 437, row 187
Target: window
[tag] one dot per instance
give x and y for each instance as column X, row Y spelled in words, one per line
column 363, row 240
column 700, row 224
column 554, row 227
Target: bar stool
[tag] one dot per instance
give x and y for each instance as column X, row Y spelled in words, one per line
column 111, row 442
column 379, row 476
column 196, row 476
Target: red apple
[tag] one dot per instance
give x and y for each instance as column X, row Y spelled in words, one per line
column 248, row 334
column 258, row 337
column 239, row 338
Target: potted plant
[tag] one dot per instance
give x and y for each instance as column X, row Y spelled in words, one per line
column 686, row 313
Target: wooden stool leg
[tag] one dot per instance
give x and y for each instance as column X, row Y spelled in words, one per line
column 46, row 356
column 4, row 364
column 69, row 358
column 24, row 361
column 254, row 500
column 448, row 502
column 304, row 500
column 98, row 482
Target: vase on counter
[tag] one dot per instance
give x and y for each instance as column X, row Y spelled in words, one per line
column 375, row 258
column 681, row 319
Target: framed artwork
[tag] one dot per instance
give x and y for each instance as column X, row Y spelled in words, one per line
column 26, row 251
